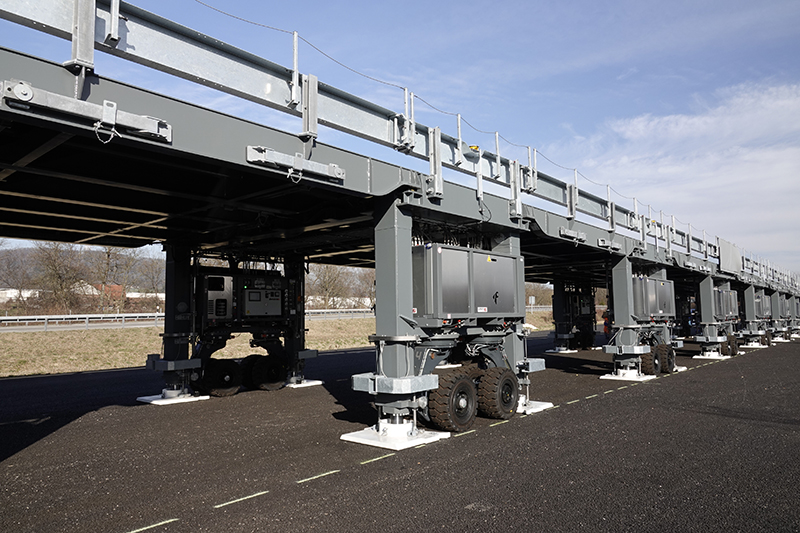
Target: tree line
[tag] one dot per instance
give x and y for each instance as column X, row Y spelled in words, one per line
column 63, row 278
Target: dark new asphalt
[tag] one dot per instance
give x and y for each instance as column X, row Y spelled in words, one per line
column 716, row 448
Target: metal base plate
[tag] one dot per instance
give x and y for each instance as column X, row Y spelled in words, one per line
column 305, row 383
column 780, row 339
column 681, row 369
column 394, row 436
column 752, row 346
column 526, row 407
column 712, row 355
column 560, row 350
column 624, row 374
column 158, row 399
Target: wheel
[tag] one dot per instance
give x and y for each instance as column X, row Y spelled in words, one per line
column 768, row 337
column 667, row 357
column 734, row 345
column 247, row 370
column 453, row 406
column 221, row 377
column 498, row 393
column 724, row 347
column 651, row 362
column 270, row 372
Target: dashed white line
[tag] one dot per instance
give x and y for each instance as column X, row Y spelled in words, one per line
column 165, row 522
column 318, row 476
column 376, row 459
column 465, row 433
column 498, row 423
column 241, row 499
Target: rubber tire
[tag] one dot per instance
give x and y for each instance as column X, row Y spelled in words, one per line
column 724, row 347
column 222, row 377
column 651, row 362
column 247, row 370
column 270, row 372
column 667, row 358
column 734, row 350
column 444, row 403
column 498, row 393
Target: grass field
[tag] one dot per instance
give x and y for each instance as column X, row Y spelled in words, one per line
column 56, row 352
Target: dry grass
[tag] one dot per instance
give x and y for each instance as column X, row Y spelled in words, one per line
column 55, row 352
column 543, row 320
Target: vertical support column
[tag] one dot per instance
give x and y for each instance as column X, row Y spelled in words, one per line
column 622, row 289
column 750, row 304
column 393, row 288
column 177, row 308
column 706, row 294
column 295, row 338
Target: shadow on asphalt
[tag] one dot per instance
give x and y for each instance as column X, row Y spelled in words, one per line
column 31, row 408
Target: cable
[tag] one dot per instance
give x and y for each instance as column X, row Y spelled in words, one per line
column 421, row 99
column 242, row 19
column 390, row 84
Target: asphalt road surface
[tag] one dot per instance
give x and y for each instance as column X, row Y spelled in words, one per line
column 715, row 448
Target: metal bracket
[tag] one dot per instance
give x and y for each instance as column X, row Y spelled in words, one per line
column 577, row 236
column 310, row 110
column 296, row 164
column 82, row 36
column 112, row 38
column 106, row 116
column 572, row 201
column 515, row 203
column 611, row 245
column 435, row 180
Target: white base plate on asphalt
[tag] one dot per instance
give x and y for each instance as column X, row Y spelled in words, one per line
column 526, row 407
column 560, row 351
column 305, row 383
column 627, row 375
column 712, row 355
column 752, row 346
column 780, row 340
column 159, row 399
column 394, row 436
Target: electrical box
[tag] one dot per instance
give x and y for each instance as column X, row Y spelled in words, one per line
column 763, row 306
column 219, row 297
column 453, row 282
column 653, row 299
column 237, row 298
column 726, row 304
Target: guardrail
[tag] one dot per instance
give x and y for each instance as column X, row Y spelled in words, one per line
column 85, row 321
column 121, row 320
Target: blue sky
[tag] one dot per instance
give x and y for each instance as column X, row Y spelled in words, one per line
column 692, row 107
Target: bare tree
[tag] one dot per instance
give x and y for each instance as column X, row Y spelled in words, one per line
column 113, row 272
column 364, row 285
column 61, row 272
column 152, row 272
column 330, row 285
column 15, row 272
column 542, row 292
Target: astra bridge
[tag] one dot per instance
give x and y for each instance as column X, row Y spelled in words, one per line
column 241, row 208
